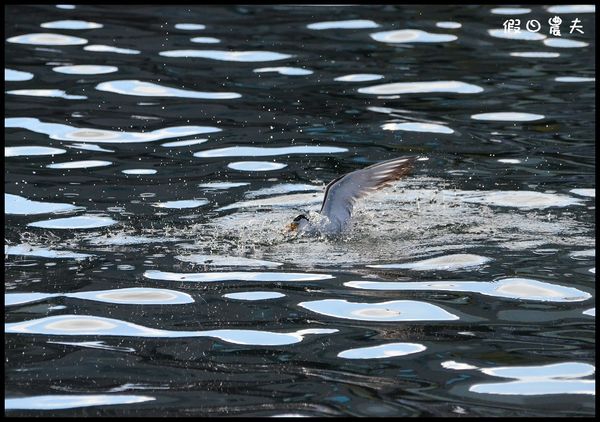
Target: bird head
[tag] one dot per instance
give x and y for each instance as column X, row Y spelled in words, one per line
column 298, row 223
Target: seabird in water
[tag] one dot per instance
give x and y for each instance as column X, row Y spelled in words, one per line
column 341, row 195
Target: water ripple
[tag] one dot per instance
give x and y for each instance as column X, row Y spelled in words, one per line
column 148, row 89
column 71, row 401
column 190, row 26
column 27, row 250
column 229, row 56
column 536, row 54
column 359, row 77
column 564, row 43
column 411, row 35
column 256, row 166
column 383, row 351
column 31, row 151
column 392, row 311
column 520, row 199
column 209, row 277
column 510, row 10
column 522, row 35
column 573, row 8
column 508, row 117
column 15, row 204
column 226, row 261
column 45, row 38
column 84, row 164
column 252, row 296
column 421, row 87
column 16, row 75
column 448, row 25
column 80, row 222
column 99, row 48
column 446, row 263
column 205, row 40
column 85, row 69
column 510, row 288
column 126, row 296
column 284, row 70
column 49, row 93
column 71, row 24
column 69, row 133
column 417, row 127
column 181, row 204
column 81, row 325
column 239, row 151
column 346, row 24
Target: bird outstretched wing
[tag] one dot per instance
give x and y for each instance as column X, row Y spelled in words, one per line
column 342, row 193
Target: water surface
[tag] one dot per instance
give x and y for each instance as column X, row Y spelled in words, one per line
column 155, row 154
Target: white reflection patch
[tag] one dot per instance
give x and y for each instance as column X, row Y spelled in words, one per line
column 521, row 199
column 510, row 288
column 522, row 35
column 46, row 38
column 456, row 87
column 412, row 35
column 16, row 75
column 127, row 296
column 208, row 277
column 252, row 296
column 347, row 24
column 392, row 311
column 80, row 325
column 564, row 43
column 186, row 203
column 205, row 40
column 50, row 93
column 27, row 250
column 99, row 48
column 71, row 401
column 284, row 70
column 383, row 351
column 228, row 56
column 15, row 204
column 31, row 151
column 359, row 77
column 71, row 24
column 79, row 164
column 70, row 133
column 85, row 69
column 80, row 222
column 536, row 54
column 418, row 127
column 448, row 25
column 239, row 151
column 573, row 8
column 508, row 117
column 148, row 89
column 446, row 263
column 256, row 166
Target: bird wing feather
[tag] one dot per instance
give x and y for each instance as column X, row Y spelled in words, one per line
column 342, row 193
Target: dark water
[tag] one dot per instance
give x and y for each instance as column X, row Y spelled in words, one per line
column 149, row 175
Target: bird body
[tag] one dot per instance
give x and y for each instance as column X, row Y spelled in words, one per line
column 342, row 193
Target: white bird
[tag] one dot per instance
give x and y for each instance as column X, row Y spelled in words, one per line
column 342, row 193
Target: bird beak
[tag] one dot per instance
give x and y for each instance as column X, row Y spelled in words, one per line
column 292, row 227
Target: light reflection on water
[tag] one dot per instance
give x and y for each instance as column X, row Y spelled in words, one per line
column 166, row 266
